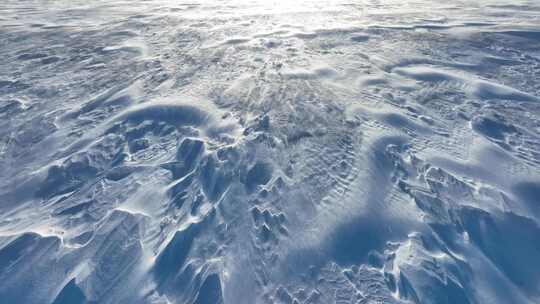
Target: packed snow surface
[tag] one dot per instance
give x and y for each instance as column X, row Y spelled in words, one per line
column 204, row 152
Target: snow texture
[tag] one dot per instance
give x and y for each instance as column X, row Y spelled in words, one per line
column 294, row 152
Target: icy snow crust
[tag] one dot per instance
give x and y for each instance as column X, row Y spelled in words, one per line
column 269, row 152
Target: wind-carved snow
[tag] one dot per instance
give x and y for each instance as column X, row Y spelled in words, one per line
column 269, row 152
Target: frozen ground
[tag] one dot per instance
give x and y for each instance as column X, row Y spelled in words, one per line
column 371, row 151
